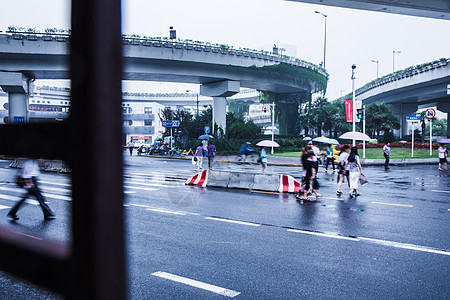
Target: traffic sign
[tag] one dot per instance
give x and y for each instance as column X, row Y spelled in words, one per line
column 171, row 123
column 430, row 114
column 412, row 118
column 207, row 129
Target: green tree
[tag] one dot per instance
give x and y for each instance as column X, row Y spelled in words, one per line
column 380, row 117
column 439, row 127
column 238, row 128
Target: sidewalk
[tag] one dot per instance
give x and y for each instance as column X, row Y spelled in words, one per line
column 295, row 161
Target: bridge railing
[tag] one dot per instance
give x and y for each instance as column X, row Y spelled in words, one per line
column 398, row 75
column 405, row 73
column 64, row 36
column 219, row 49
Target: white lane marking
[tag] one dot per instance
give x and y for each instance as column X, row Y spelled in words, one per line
column 13, row 198
column 65, row 191
column 166, row 211
column 151, row 184
column 129, row 192
column 4, row 206
column 233, row 221
column 20, row 191
column 139, row 205
column 439, row 191
column 330, row 235
column 60, row 197
column 55, row 183
column 198, row 284
column 162, row 173
column 405, row 246
column 140, row 188
column 30, row 236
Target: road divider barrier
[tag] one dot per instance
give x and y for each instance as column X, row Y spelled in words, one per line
column 199, row 179
column 246, row 181
column 288, row 184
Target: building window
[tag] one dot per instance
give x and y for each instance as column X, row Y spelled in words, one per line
column 126, row 110
column 148, row 110
column 148, row 123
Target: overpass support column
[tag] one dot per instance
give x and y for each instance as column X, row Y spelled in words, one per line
column 219, row 91
column 402, row 110
column 445, row 107
column 16, row 85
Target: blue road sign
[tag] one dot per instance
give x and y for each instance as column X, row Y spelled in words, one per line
column 171, row 123
column 207, row 129
column 412, row 118
column 19, row 119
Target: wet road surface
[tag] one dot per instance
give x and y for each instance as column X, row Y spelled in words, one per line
column 188, row 242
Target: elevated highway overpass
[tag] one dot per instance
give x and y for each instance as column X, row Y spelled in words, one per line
column 409, row 89
column 437, row 9
column 220, row 69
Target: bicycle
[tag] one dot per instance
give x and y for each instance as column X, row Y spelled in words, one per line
column 187, row 152
column 175, row 151
column 250, row 158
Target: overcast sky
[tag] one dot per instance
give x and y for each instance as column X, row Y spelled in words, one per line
column 353, row 37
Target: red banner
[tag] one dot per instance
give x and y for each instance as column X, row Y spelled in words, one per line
column 349, row 110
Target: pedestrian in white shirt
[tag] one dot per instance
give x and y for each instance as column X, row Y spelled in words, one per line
column 442, row 152
column 355, row 171
column 29, row 173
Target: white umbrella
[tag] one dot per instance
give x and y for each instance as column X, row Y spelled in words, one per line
column 355, row 135
column 307, row 138
column 325, row 140
column 267, row 143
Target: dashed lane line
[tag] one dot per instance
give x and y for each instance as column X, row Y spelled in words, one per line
column 198, row 284
column 310, row 232
column 140, row 188
column 167, row 211
column 13, row 198
column 152, row 184
column 55, row 183
column 393, row 204
column 232, row 221
column 439, row 191
column 151, row 208
column 330, row 235
column 20, row 191
column 404, row 246
column 4, row 207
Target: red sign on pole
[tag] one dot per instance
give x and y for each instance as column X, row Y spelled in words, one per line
column 349, row 110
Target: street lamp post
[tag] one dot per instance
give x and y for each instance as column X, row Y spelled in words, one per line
column 393, row 59
column 325, row 37
column 377, row 62
column 353, row 102
column 188, row 91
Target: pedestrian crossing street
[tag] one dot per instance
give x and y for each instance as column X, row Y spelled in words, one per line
column 56, row 187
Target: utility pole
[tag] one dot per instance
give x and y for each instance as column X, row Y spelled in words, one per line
column 353, row 102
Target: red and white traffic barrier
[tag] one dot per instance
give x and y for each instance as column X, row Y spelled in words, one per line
column 288, row 184
column 199, row 179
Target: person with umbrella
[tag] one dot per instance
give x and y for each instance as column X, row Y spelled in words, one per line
column 355, row 171
column 263, row 157
column 329, row 158
column 263, row 154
